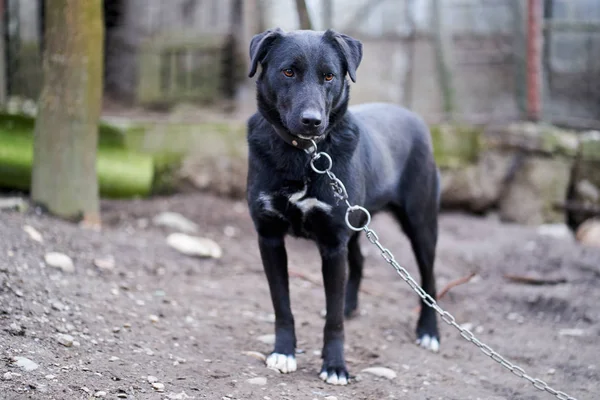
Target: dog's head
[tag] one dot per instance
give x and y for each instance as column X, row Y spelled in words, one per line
column 303, row 84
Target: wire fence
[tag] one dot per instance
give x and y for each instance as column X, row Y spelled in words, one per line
column 460, row 59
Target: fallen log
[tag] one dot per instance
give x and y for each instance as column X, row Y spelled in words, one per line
column 121, row 173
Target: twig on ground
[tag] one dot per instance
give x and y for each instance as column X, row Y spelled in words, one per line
column 450, row 285
column 532, row 280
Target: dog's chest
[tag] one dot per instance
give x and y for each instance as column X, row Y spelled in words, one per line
column 298, row 206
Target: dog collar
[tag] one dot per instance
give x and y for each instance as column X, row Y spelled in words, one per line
column 293, row 140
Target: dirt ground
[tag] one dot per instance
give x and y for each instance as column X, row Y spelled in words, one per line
column 188, row 321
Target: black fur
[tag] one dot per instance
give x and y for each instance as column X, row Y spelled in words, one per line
column 381, row 152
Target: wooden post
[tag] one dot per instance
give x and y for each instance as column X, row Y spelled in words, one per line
column 443, row 52
column 327, row 11
column 2, row 54
column 303, row 15
column 534, row 59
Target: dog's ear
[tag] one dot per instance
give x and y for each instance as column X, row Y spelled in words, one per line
column 350, row 48
column 259, row 45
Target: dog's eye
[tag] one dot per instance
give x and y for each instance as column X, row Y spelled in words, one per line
column 329, row 77
column 288, row 72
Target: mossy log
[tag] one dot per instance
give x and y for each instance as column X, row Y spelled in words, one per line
column 121, row 173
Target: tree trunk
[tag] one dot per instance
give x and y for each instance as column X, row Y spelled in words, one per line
column 303, row 15
column 64, row 179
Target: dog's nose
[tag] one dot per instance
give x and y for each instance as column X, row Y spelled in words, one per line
column 311, row 118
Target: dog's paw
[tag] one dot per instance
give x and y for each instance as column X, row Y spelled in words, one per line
column 429, row 342
column 334, row 376
column 282, row 363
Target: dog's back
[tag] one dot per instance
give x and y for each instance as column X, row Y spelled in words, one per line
column 391, row 138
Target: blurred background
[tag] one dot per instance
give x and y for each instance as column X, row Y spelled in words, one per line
column 510, row 88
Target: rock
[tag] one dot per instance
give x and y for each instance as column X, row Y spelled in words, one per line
column 16, row 329
column 194, row 246
column 330, row 398
column 588, row 233
column 8, row 376
column 476, row 187
column 267, row 339
column 33, row 233
column 152, row 379
column 572, row 332
column 25, row 364
column 65, row 340
column 381, row 372
column 153, row 318
column 159, row 387
column 107, row 263
column 57, row 305
column 538, row 183
column 113, row 359
column 122, row 395
column 259, row 381
column 100, row 393
column 587, row 191
column 179, row 396
column 60, row 261
column 558, row 231
column 12, row 203
column 455, row 146
column 50, row 377
column 175, row 221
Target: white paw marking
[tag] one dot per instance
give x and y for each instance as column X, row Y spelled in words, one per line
column 282, row 363
column 333, row 379
column 429, row 343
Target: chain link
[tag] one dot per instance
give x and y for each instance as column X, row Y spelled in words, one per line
column 341, row 194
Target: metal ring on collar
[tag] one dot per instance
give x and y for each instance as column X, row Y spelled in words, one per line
column 357, row 208
column 315, row 158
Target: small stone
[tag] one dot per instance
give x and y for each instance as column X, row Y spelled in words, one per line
column 551, row 371
column 100, row 393
column 267, row 339
column 12, row 203
column 16, row 329
column 50, row 377
column 152, row 379
column 194, row 246
column 57, row 305
column 159, row 387
column 572, row 332
column 107, row 263
column 179, row 396
column 25, row 364
column 33, row 233
column 8, row 376
column 60, row 261
column 381, row 372
column 175, row 221
column 153, row 318
column 331, row 398
column 122, row 396
column 588, row 233
column 65, row 340
column 259, row 380
column 558, row 231
column 116, row 329
column 230, row 231
column 113, row 359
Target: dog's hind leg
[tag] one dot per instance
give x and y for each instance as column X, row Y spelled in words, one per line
column 355, row 263
column 274, row 259
column 418, row 217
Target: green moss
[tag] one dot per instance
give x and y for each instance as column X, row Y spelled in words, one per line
column 108, row 135
column 456, row 146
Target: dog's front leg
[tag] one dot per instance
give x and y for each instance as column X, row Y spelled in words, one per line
column 334, row 370
column 274, row 258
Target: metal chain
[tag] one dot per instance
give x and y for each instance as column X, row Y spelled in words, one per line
column 340, row 193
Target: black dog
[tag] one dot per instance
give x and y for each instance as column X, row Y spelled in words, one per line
column 381, row 152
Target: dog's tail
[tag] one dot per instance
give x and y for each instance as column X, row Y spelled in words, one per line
column 438, row 187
